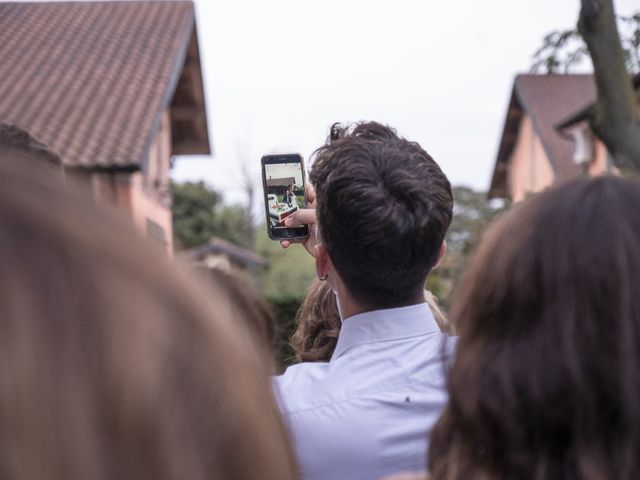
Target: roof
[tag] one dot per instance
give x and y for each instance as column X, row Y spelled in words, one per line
column 547, row 99
column 93, row 79
column 217, row 246
column 584, row 113
column 281, row 182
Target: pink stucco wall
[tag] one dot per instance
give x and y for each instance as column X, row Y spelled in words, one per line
column 530, row 170
column 149, row 215
column 149, row 190
column 599, row 164
column 143, row 195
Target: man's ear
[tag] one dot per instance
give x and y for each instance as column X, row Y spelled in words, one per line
column 324, row 266
column 443, row 251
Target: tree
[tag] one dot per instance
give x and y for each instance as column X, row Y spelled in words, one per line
column 563, row 51
column 472, row 213
column 199, row 214
column 614, row 116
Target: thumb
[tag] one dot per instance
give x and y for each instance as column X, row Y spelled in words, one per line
column 303, row 216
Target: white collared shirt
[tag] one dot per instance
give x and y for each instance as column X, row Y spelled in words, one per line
column 368, row 411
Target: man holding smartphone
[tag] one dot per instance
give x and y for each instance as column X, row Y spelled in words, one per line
column 383, row 207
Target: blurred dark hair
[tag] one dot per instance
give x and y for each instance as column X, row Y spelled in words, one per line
column 318, row 325
column 16, row 140
column 114, row 363
column 546, row 380
column 384, row 207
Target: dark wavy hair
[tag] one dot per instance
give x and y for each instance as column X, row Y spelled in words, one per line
column 546, row 380
column 384, row 207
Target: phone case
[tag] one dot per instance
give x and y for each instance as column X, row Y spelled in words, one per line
column 278, row 210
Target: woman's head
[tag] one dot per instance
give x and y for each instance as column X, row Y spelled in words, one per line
column 546, row 380
column 113, row 363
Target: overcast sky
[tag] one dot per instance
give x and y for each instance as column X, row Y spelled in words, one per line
column 278, row 73
column 285, row 170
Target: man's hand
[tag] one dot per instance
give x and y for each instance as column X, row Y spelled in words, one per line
column 304, row 216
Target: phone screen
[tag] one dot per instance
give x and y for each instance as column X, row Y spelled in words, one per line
column 284, row 193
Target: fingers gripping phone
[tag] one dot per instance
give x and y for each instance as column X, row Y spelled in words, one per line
column 283, row 181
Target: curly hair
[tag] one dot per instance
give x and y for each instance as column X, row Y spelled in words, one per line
column 318, row 325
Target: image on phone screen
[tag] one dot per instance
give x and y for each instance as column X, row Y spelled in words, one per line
column 284, row 188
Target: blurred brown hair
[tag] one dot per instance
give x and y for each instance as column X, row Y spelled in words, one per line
column 113, row 363
column 253, row 309
column 546, row 379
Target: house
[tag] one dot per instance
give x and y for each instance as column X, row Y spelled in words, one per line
column 533, row 152
column 115, row 88
column 280, row 185
column 218, row 253
column 577, row 125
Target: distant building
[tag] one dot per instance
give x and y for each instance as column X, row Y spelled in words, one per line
column 115, row 88
column 280, row 182
column 546, row 136
column 280, row 185
column 218, row 253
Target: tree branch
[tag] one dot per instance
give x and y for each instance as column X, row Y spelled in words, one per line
column 615, row 118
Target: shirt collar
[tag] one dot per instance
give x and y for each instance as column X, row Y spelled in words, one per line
column 385, row 325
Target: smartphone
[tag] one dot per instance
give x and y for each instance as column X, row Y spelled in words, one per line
column 283, row 182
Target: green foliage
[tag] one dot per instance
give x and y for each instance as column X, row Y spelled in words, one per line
column 285, row 310
column 284, row 285
column 234, row 224
column 199, row 214
column 563, row 50
column 290, row 272
column 472, row 213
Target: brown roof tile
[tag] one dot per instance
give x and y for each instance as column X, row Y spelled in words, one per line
column 583, row 114
column 91, row 79
column 548, row 100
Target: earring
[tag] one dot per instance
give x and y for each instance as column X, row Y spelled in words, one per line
column 323, row 278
